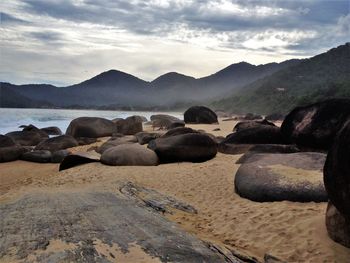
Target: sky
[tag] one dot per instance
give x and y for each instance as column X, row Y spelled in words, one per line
column 63, row 42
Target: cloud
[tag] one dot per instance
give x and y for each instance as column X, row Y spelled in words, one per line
column 146, row 38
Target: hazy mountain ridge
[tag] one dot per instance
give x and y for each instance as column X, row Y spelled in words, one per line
column 323, row 76
column 245, row 88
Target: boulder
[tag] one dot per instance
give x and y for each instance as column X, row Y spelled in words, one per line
column 57, row 143
column 337, row 171
column 129, row 154
column 192, row 147
column 277, row 177
column 251, row 116
column 40, row 156
column 58, row 156
column 267, row 148
column 52, row 130
column 275, row 117
column 146, row 137
column 129, row 126
column 27, row 138
column 164, row 121
column 139, row 118
column 91, row 127
column 6, row 141
column 178, row 131
column 227, row 148
column 200, row 114
column 77, row 159
column 265, row 134
column 115, row 141
column 85, row 140
column 251, row 124
column 11, row 153
column 31, row 127
column 338, row 226
column 176, row 124
column 315, row 126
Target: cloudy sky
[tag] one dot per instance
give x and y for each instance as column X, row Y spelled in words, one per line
column 67, row 41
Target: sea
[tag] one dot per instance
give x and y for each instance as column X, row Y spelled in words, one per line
column 11, row 119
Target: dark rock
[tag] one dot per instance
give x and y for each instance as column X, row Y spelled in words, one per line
column 337, row 171
column 6, row 141
column 268, row 148
column 276, row 177
column 176, row 124
column 251, row 116
column 79, row 218
column 91, row 127
column 112, row 142
column 31, row 127
column 316, row 125
column 27, row 138
column 275, row 117
column 85, row 140
column 178, row 131
column 58, row 156
column 129, row 126
column 264, row 134
column 338, row 226
column 200, row 114
column 139, row 118
column 146, row 137
column 52, row 130
column 227, row 148
column 57, row 143
column 251, row 124
column 40, row 156
column 79, row 158
column 11, row 153
column 129, row 154
column 192, row 147
column 164, row 121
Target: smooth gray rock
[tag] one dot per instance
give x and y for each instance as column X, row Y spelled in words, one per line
column 115, row 141
column 276, row 177
column 57, row 143
column 86, row 221
column 129, row 154
column 91, row 127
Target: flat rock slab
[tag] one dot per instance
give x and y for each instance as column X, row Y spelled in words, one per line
column 93, row 227
column 276, row 177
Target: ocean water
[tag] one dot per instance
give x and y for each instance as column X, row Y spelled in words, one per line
column 11, row 119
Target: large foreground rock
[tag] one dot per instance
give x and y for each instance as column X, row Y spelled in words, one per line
column 184, row 148
column 276, row 177
column 91, row 226
column 91, row 127
column 316, row 125
column 200, row 114
column 129, row 154
column 338, row 226
column 57, row 143
column 337, row 171
column 264, row 134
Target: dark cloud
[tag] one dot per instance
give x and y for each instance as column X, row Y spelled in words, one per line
column 9, row 19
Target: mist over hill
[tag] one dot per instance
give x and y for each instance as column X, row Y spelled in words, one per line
column 240, row 87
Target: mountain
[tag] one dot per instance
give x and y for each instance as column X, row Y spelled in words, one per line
column 240, row 87
column 323, row 76
column 116, row 89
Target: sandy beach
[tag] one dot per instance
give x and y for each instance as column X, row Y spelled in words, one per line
column 290, row 231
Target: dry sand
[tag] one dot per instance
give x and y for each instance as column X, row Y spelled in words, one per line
column 294, row 232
